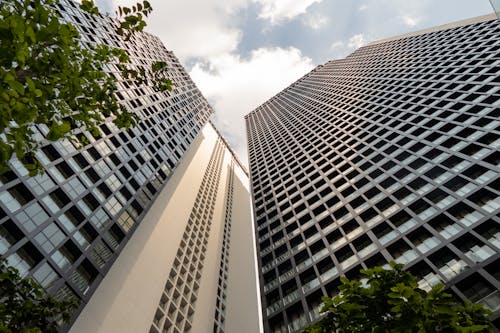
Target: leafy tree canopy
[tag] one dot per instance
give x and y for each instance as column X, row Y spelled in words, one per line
column 389, row 300
column 25, row 306
column 50, row 77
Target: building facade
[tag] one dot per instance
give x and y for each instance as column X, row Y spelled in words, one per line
column 67, row 227
column 391, row 154
column 190, row 266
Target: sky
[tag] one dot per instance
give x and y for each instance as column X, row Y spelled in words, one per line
column 242, row 52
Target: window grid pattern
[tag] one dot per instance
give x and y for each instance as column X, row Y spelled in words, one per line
column 66, row 227
column 388, row 154
column 220, row 303
column 178, row 301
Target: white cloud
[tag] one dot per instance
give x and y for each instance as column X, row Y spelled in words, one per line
column 235, row 86
column 410, row 21
column 104, row 6
column 363, row 7
column 315, row 21
column 204, row 32
column 387, row 17
column 193, row 28
column 276, row 11
column 341, row 49
column 337, row 45
column 356, row 41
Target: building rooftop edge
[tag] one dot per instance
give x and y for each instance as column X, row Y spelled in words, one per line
column 451, row 25
column 228, row 146
column 456, row 24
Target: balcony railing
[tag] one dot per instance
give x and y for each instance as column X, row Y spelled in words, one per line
column 290, row 298
column 310, row 285
column 492, row 301
column 274, row 307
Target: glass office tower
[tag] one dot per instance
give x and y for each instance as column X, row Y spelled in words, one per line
column 390, row 154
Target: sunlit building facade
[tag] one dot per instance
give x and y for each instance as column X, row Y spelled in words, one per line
column 391, row 154
column 190, row 265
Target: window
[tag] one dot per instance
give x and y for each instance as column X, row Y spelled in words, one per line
column 9, row 235
column 56, row 200
column 402, row 252
column 66, row 255
column 32, row 216
column 423, row 240
column 490, row 231
column 445, row 226
column 15, row 197
column 45, row 275
column 24, row 259
column 71, row 219
column 476, row 289
column 448, row 263
column 50, row 237
column 473, row 248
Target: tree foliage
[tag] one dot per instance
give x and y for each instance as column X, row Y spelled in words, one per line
column 389, row 300
column 25, row 306
column 49, row 76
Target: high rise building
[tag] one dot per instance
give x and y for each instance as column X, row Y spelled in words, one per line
column 145, row 219
column 390, row 154
column 190, row 265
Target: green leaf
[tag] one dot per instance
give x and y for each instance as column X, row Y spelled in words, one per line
column 9, row 78
column 31, row 84
column 52, row 75
column 30, row 33
column 393, row 303
column 18, row 87
column 30, row 307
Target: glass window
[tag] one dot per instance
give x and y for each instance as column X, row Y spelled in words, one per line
column 22, row 260
column 74, row 188
column 56, row 200
column 447, row 263
column 85, row 236
column 490, row 231
column 40, row 183
column 19, row 167
column 32, row 217
column 58, row 176
column 473, row 248
column 65, row 256
column 9, row 201
column 45, row 275
column 113, row 206
column 477, row 289
column 100, row 220
column 9, row 235
column 71, row 219
column 126, row 221
column 50, row 237
column 445, row 226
